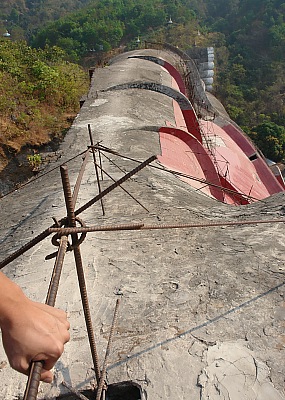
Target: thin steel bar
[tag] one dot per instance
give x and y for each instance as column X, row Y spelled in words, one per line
column 67, row 231
column 39, row 176
column 74, row 391
column 44, row 234
column 79, row 178
column 100, row 160
column 96, row 167
column 54, row 283
column 132, row 227
column 79, row 269
column 112, row 162
column 125, row 190
column 104, row 367
column 25, row 248
column 36, row 367
column 119, row 182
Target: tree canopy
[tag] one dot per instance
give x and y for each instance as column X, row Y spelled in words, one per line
column 248, row 37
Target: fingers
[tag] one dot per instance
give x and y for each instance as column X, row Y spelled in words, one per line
column 46, row 376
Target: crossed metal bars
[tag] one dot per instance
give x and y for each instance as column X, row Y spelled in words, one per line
column 70, row 221
column 67, row 226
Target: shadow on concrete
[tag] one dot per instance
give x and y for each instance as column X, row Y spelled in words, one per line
column 196, row 328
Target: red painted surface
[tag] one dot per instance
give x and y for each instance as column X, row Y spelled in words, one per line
column 182, row 152
column 179, row 118
column 176, row 75
column 185, row 119
column 278, row 175
column 192, row 123
column 280, row 180
column 174, row 84
column 235, row 166
column 272, row 184
column 217, row 155
column 240, row 139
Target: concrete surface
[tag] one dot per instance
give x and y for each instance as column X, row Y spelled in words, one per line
column 203, row 310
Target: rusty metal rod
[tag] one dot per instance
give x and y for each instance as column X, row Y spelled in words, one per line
column 131, row 227
column 116, row 184
column 25, row 248
column 47, row 232
column 33, row 382
column 74, row 391
column 79, row 269
column 39, row 176
column 104, row 367
column 100, row 160
column 68, row 231
column 126, row 227
column 96, row 168
column 125, row 190
column 112, row 162
column 79, row 178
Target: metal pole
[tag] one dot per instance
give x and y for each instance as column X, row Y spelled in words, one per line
column 103, row 373
column 79, row 178
column 32, row 386
column 79, row 268
column 25, row 248
column 116, row 184
column 125, row 190
column 96, row 168
column 100, row 160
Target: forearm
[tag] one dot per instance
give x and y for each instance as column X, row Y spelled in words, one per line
column 11, row 297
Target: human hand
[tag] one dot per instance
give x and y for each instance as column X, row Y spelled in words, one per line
column 34, row 332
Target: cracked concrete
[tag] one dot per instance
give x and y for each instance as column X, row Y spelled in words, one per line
column 233, row 373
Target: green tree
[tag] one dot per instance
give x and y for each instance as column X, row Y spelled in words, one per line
column 270, row 139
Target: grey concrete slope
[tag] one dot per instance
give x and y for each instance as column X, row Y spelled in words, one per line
column 202, row 311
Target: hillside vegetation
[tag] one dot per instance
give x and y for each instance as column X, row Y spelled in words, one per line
column 39, row 95
column 248, row 36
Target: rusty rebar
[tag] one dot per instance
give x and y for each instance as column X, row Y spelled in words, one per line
column 141, row 226
column 54, row 283
column 86, row 229
column 104, row 367
column 116, row 184
column 100, row 160
column 79, row 269
column 96, row 167
column 25, row 248
column 125, row 190
column 47, row 232
column 132, row 227
column 74, row 391
column 36, row 366
column 79, row 178
column 112, row 162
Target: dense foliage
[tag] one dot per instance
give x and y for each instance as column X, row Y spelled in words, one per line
column 251, row 75
column 38, row 91
column 107, row 24
column 270, row 138
column 248, row 36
